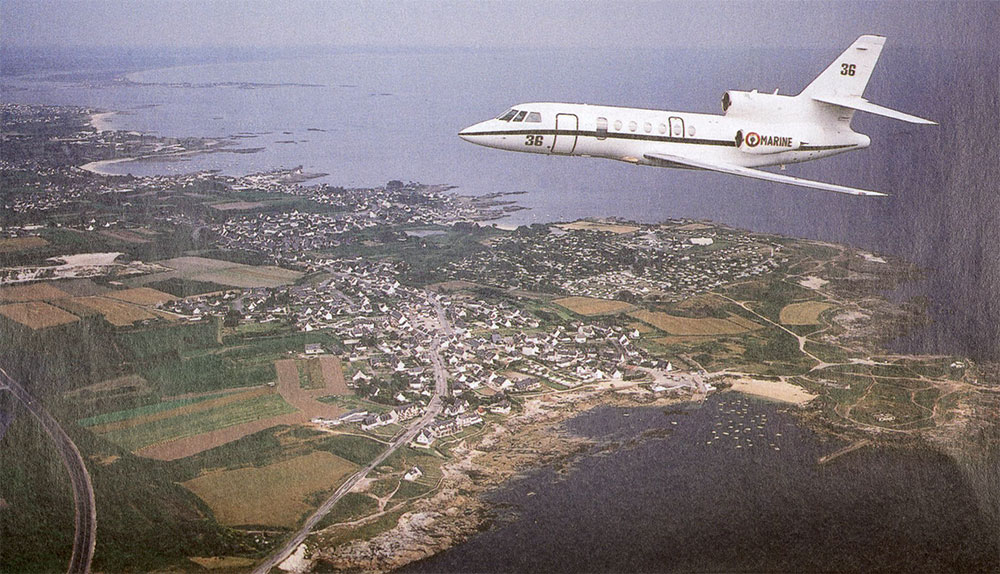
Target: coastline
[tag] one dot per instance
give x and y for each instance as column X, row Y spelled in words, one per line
column 101, row 121
column 212, row 146
column 95, row 167
column 532, row 439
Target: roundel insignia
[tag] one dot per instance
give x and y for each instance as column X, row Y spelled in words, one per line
column 753, row 139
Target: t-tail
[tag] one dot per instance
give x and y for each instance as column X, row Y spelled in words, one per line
column 839, row 89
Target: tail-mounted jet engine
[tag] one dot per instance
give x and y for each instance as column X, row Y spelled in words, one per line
column 757, row 106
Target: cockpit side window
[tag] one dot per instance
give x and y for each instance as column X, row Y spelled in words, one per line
column 507, row 116
column 520, row 116
column 534, row 117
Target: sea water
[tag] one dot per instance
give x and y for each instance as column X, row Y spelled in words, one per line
column 730, row 485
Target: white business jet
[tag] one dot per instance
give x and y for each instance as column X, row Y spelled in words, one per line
column 757, row 129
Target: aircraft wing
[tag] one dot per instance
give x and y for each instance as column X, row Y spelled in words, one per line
column 679, row 161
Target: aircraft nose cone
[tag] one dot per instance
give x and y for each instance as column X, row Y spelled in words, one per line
column 473, row 133
column 467, row 133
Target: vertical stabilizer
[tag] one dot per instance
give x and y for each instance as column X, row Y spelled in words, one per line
column 848, row 75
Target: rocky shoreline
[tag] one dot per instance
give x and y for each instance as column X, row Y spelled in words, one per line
column 532, row 439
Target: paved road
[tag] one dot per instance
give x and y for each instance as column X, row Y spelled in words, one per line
column 83, row 489
column 434, row 408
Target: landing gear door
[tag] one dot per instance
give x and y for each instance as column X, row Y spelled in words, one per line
column 564, row 141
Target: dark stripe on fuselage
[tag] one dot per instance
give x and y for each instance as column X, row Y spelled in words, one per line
column 639, row 137
column 610, row 135
column 822, row 147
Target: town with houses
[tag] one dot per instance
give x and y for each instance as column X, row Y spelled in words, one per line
column 387, row 329
column 330, row 350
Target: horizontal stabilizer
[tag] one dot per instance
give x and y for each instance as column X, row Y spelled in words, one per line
column 863, row 105
column 678, row 161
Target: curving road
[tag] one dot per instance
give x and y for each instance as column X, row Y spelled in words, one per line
column 83, row 489
column 434, row 408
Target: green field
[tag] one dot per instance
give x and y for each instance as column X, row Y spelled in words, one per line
column 409, row 490
column 352, row 402
column 352, row 506
column 127, row 414
column 182, row 426
column 139, row 344
column 278, row 494
column 354, row 448
column 180, row 287
column 258, row 449
column 268, row 348
column 889, row 401
column 207, row 373
column 310, row 374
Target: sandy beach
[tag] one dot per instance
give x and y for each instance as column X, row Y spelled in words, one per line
column 97, row 166
column 101, row 121
column 774, row 390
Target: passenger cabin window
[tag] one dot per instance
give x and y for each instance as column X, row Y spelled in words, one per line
column 506, row 117
column 632, row 126
column 534, row 117
column 618, row 125
column 648, row 127
column 520, row 116
column 602, row 128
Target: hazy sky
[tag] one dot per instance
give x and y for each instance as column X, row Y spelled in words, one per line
column 513, row 23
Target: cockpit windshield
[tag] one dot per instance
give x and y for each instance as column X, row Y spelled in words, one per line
column 515, row 115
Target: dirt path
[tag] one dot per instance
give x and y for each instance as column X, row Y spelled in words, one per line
column 802, row 339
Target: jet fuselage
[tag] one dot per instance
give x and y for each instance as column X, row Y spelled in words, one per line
column 630, row 134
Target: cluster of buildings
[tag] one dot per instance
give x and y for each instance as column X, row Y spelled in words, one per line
column 654, row 261
column 342, row 216
column 386, row 331
column 513, row 361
